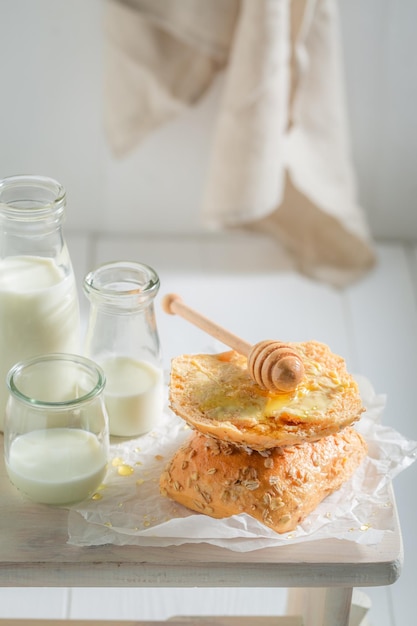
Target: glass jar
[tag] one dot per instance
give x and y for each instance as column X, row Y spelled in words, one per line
column 122, row 336
column 39, row 310
column 56, row 437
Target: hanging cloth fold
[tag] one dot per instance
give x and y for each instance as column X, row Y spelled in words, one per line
column 280, row 157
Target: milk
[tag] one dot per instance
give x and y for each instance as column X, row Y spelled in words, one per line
column 133, row 395
column 57, row 465
column 38, row 313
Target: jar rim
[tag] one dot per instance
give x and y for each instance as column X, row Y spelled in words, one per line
column 86, row 364
column 31, row 197
column 127, row 282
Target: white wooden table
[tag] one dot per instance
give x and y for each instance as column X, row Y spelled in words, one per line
column 320, row 575
column 34, row 553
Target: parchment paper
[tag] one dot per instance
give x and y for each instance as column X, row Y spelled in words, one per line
column 129, row 510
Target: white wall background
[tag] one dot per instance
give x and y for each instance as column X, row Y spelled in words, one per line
column 51, row 120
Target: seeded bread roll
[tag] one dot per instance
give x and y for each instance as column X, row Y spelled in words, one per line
column 215, row 395
column 279, row 487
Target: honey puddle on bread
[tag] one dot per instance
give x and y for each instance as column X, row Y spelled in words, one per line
column 224, row 397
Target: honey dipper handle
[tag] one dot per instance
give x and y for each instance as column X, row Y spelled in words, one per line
column 173, row 304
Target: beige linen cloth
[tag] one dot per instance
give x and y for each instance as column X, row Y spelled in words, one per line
column 280, row 160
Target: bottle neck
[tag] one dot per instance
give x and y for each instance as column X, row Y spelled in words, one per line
column 122, row 318
column 31, row 215
column 26, row 238
column 122, row 288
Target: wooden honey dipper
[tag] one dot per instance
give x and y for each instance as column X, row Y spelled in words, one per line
column 271, row 364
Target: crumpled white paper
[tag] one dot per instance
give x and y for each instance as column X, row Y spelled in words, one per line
column 129, row 510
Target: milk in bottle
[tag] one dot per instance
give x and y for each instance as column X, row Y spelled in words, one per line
column 122, row 337
column 39, row 310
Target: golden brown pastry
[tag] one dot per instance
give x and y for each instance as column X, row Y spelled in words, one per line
column 215, row 395
column 279, row 487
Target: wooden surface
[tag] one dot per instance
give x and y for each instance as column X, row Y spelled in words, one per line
column 34, row 552
column 355, row 322
column 34, row 549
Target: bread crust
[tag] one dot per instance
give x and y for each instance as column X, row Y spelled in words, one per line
column 279, row 487
column 215, row 395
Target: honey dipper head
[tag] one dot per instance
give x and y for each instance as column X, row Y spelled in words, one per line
column 275, row 366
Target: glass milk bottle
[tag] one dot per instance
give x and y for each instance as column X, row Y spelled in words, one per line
column 39, row 311
column 122, row 337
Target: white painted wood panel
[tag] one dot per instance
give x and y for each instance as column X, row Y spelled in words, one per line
column 381, row 87
column 403, row 591
column 36, row 603
column 50, row 122
column 164, row 603
column 384, row 320
column 230, row 293
column 51, row 65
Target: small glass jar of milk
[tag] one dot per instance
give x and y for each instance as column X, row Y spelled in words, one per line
column 39, row 310
column 122, row 337
column 56, row 437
